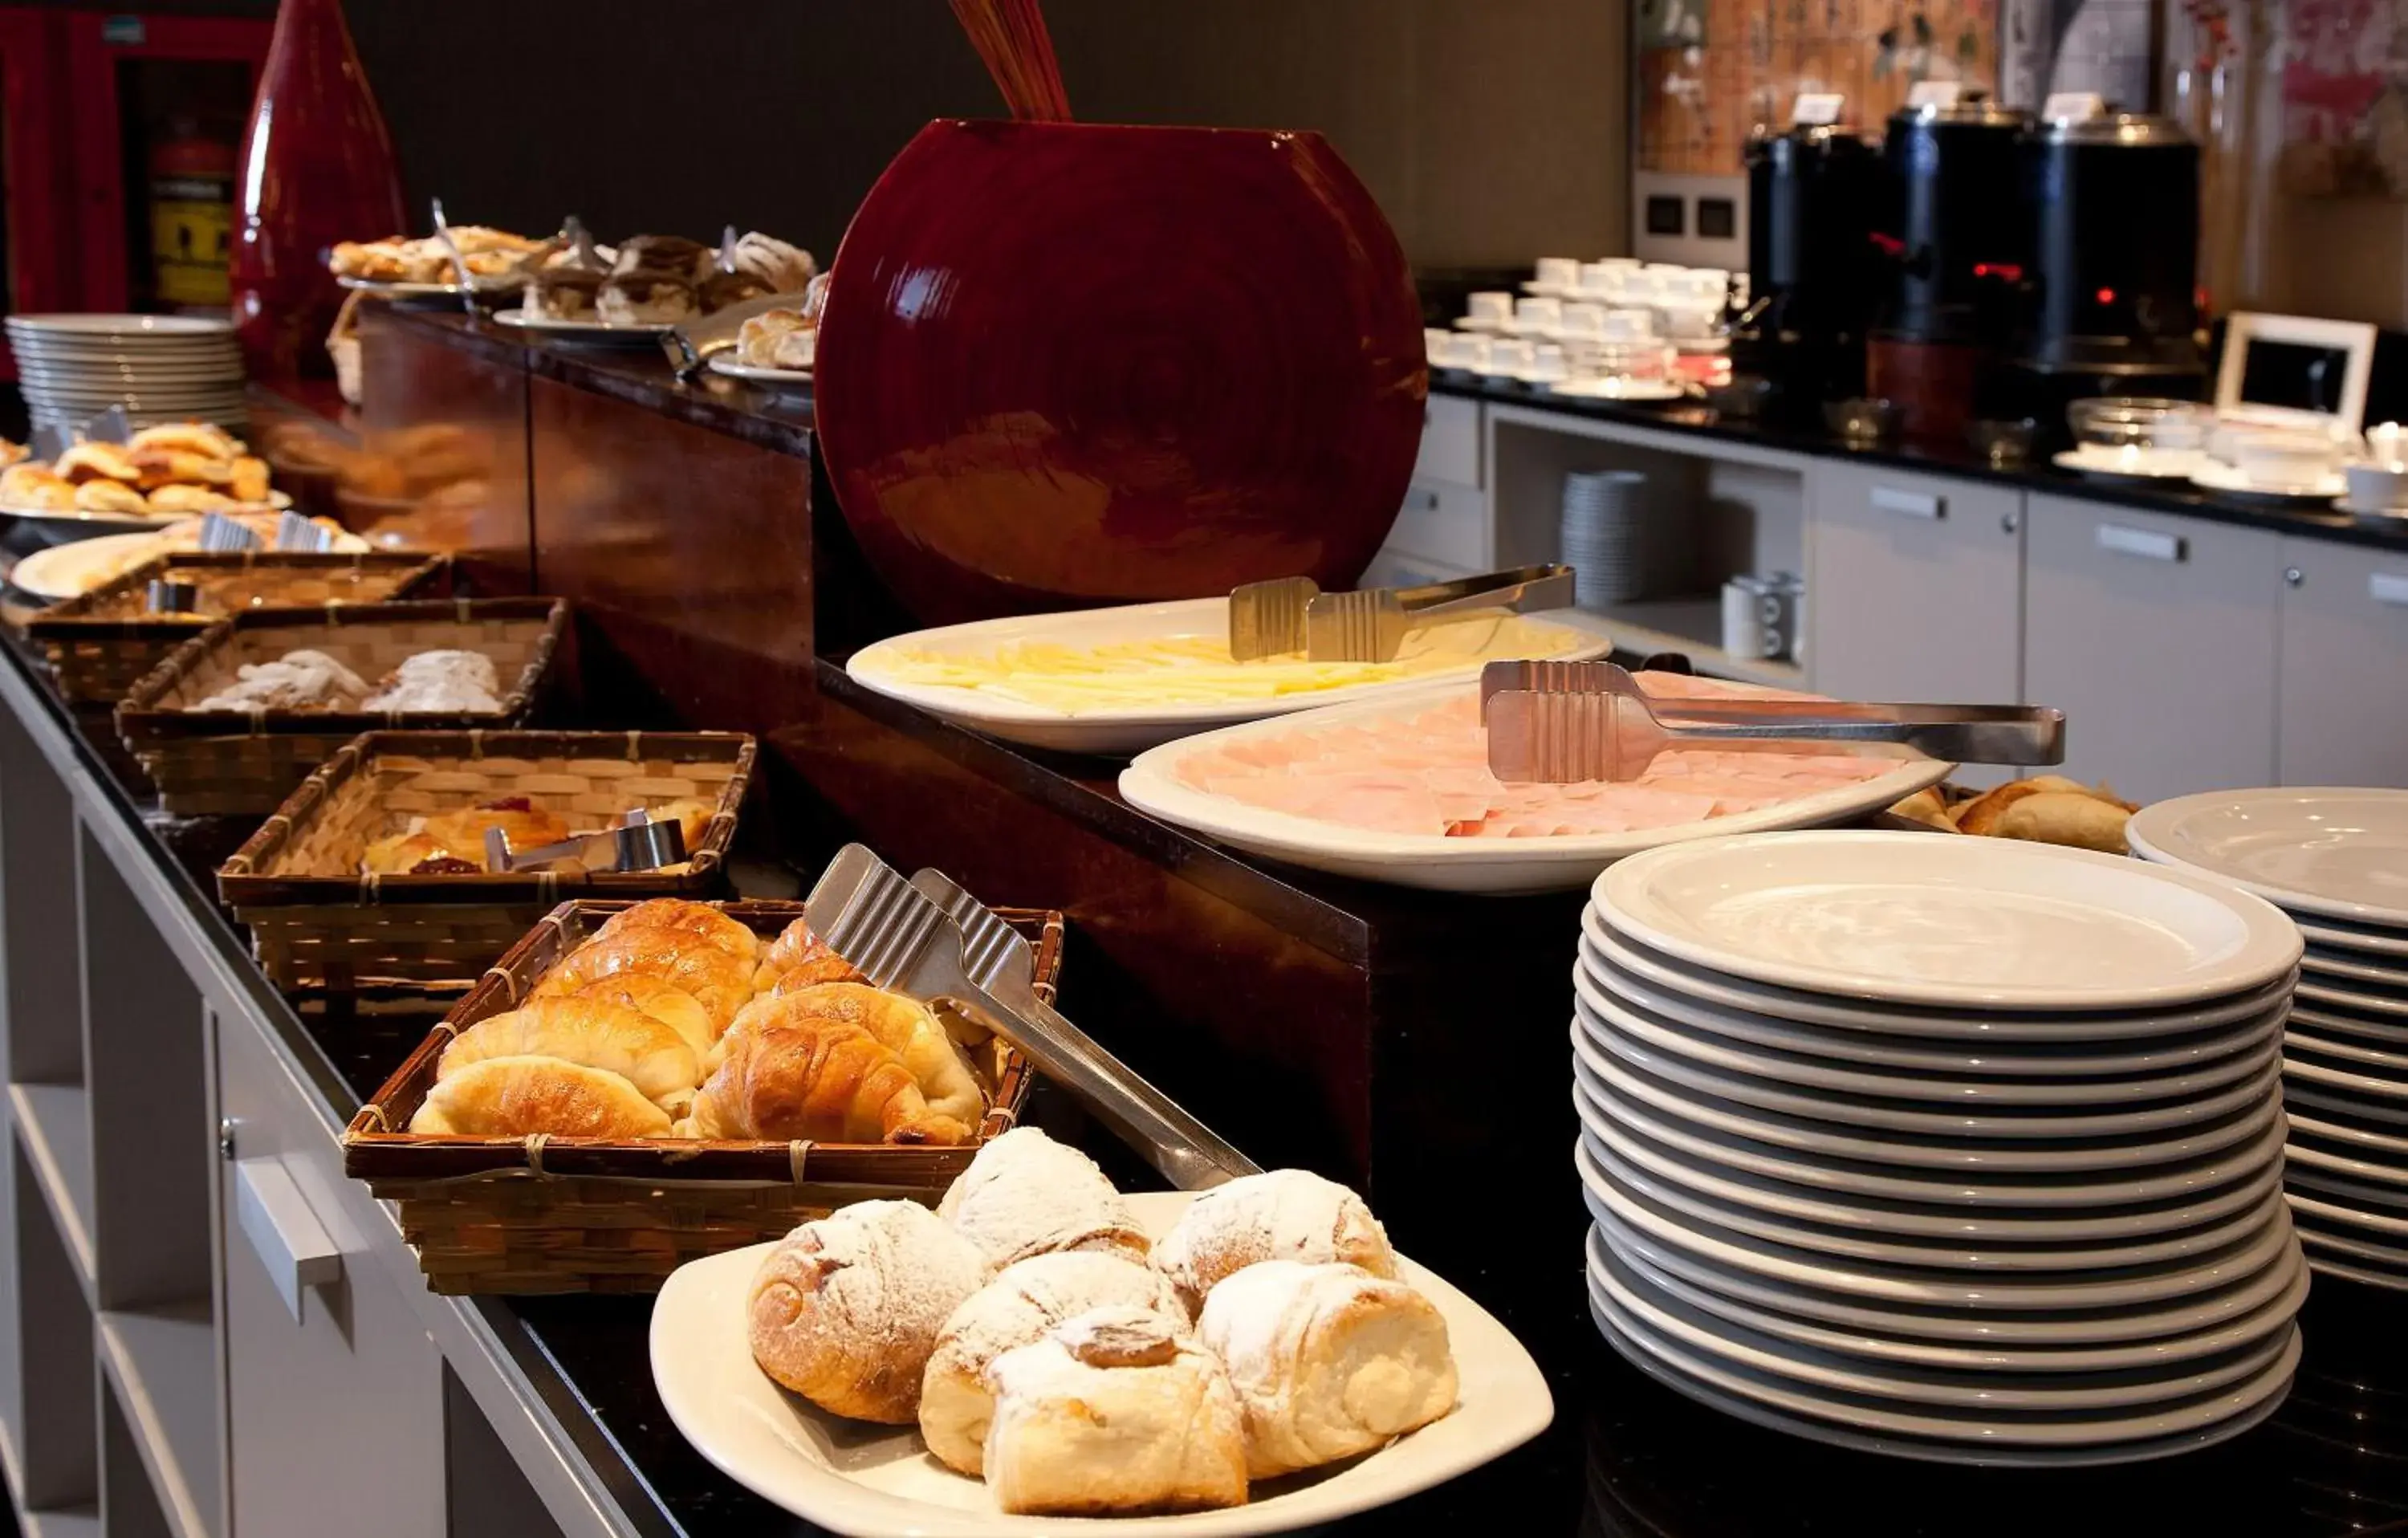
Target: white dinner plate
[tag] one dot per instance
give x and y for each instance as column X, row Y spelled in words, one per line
column 1138, row 726
column 1908, row 918
column 276, row 502
column 2359, row 940
column 2378, row 1093
column 2099, row 464
column 2377, row 1059
column 2318, row 1237
column 754, row 374
column 2022, row 1157
column 2389, row 1148
column 2346, row 968
column 1990, row 1389
column 2317, row 994
column 582, row 331
column 1728, row 1056
column 1435, row 862
column 2230, row 480
column 2149, row 1326
column 2316, row 1178
column 881, row 1481
column 137, row 327
column 2340, row 853
column 1610, row 955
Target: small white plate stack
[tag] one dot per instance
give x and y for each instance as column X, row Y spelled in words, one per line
column 159, row 367
column 2337, row 861
column 1957, row 1149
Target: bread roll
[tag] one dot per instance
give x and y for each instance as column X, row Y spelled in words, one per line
column 87, row 461
column 1025, row 1194
column 514, row 1096
column 783, row 1071
column 2080, row 820
column 718, row 982
column 797, row 949
column 660, row 1063
column 99, row 496
column 845, row 1311
column 1017, row 1308
column 1114, row 1413
column 1283, row 1215
column 35, row 486
column 912, row 1033
column 525, row 825
column 697, row 920
column 1327, row 1360
column 673, row 1006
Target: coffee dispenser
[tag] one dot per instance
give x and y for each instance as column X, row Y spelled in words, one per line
column 1814, row 202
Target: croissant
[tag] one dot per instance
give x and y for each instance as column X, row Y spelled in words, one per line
column 718, row 982
column 782, row 1070
column 671, row 1005
column 910, row 1031
column 660, row 1063
column 512, row 1096
column 693, row 920
column 796, row 948
column 462, row 833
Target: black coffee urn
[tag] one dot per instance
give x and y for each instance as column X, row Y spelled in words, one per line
column 1815, row 201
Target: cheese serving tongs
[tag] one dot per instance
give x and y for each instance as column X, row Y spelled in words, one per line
column 1369, row 625
column 1561, row 722
column 637, row 844
column 902, row 935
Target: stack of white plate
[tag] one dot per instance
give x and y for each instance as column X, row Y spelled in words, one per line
column 1958, row 1149
column 1604, row 536
column 2336, row 861
column 157, row 368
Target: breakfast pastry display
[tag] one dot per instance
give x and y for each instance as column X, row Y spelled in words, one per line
column 174, row 467
column 2045, row 809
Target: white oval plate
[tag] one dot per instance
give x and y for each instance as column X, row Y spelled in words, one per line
column 276, row 502
column 1908, row 918
column 1135, row 726
column 1608, row 953
column 1438, row 863
column 600, row 331
column 2142, row 1356
column 721, row 363
column 63, row 571
column 880, row 1481
column 2341, row 852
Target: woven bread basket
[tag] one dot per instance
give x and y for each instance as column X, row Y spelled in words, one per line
column 102, row 643
column 246, row 763
column 317, row 923
column 520, row 1216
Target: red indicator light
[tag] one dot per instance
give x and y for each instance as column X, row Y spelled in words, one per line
column 2004, row 271
column 2106, row 295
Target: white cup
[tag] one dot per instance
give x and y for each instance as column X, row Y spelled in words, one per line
column 1547, row 364
column 1558, row 272
column 2387, row 443
column 1606, row 281
column 1435, row 343
column 1491, row 308
column 1629, row 325
column 1584, row 319
column 1471, row 351
column 1745, row 635
column 1538, row 314
column 1510, row 355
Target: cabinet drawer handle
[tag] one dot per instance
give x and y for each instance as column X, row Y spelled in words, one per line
column 1421, row 501
column 2388, row 587
column 2145, row 544
column 1910, row 504
column 291, row 1242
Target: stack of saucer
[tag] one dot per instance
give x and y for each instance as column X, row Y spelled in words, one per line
column 2337, row 862
column 157, row 368
column 1957, row 1149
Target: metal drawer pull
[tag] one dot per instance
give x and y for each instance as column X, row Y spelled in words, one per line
column 1422, row 500
column 2145, row 544
column 2388, row 587
column 1909, row 503
column 291, row 1242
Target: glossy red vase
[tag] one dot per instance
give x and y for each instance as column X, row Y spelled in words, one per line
column 317, row 167
column 1065, row 364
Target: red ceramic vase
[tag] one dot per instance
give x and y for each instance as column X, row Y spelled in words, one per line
column 317, row 167
column 1065, row 364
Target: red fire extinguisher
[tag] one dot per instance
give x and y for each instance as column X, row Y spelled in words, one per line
column 192, row 216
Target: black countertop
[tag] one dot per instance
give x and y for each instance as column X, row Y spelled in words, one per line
column 1957, row 459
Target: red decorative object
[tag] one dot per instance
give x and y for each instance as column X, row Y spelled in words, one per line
column 317, row 167
column 1065, row 364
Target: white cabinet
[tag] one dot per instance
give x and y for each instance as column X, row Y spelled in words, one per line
column 2344, row 665
column 1445, row 521
column 334, row 1391
column 1449, row 450
column 2157, row 636
column 1913, row 586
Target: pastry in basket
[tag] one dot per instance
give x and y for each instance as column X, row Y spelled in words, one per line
column 414, row 854
column 715, row 980
column 519, row 1097
column 156, row 467
column 1328, row 1361
column 673, row 1006
column 370, row 261
column 182, row 499
column 1283, row 1215
column 1016, row 1309
column 195, row 437
column 36, row 486
column 109, row 497
column 799, row 954
column 450, row 680
column 1116, row 1412
column 2049, row 809
column 792, row 1069
column 699, row 920
column 98, row 462
column 525, row 825
column 660, row 1063
column 297, row 681
column 1025, row 1194
column 845, row 1310
column 908, row 1028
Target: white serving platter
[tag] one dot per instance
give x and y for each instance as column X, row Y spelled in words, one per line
column 754, row 374
column 63, row 571
column 594, row 331
column 1439, row 863
column 1132, row 728
column 881, row 1482
column 2339, row 853
column 1908, row 918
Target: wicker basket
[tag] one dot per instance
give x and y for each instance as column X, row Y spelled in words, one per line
column 237, row 763
column 102, row 642
column 316, row 923
column 585, row 1214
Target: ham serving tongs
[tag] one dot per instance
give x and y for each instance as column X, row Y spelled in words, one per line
column 1562, row 723
column 1369, row 625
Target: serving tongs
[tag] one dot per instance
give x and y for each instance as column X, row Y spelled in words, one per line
column 927, row 938
column 637, row 844
column 459, row 263
column 694, row 343
column 1369, row 625
column 1561, row 722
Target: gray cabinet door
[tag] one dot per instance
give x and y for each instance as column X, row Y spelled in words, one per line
column 334, row 1391
column 1913, row 586
column 2156, row 634
column 2345, row 690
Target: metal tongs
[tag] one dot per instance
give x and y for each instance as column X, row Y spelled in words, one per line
column 459, row 263
column 637, row 844
column 1561, row 722
column 1369, row 625
column 928, row 938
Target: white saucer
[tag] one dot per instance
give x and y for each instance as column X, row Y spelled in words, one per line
column 2227, row 481
column 2105, row 464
